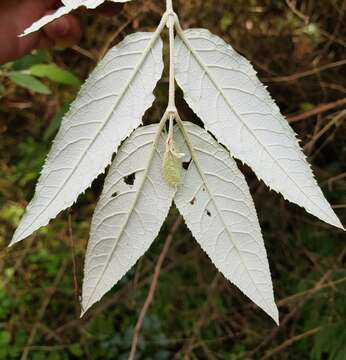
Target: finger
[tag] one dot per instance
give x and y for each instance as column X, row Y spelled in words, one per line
column 52, row 4
column 65, row 31
column 15, row 17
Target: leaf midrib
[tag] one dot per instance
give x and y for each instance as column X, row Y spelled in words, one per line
column 138, row 194
column 205, row 181
column 206, row 70
column 119, row 99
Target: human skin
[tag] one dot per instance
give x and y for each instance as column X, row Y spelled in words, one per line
column 17, row 15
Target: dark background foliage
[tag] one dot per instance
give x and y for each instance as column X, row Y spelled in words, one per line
column 298, row 48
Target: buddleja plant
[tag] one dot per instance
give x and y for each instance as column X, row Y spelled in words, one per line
column 147, row 173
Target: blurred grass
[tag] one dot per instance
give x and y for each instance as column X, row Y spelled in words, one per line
column 196, row 314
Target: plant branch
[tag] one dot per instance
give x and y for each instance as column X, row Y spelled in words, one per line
column 290, row 342
column 169, row 5
column 170, row 24
column 186, row 350
column 48, row 296
column 153, row 286
column 303, row 74
column 317, row 110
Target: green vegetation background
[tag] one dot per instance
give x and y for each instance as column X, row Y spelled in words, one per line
column 298, row 48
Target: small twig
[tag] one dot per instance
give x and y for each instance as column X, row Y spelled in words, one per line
column 114, row 35
column 334, row 179
column 20, row 260
column 42, row 310
column 123, row 293
column 317, row 110
column 289, row 342
column 303, row 74
column 75, row 281
column 332, row 37
column 84, row 52
column 324, row 280
column 46, row 348
column 153, row 286
column 311, row 291
column 189, row 345
column 48, row 331
column 339, row 206
column 298, row 13
column 340, row 117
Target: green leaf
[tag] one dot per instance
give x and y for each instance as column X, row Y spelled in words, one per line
column 29, row 82
column 36, row 57
column 55, row 122
column 54, row 73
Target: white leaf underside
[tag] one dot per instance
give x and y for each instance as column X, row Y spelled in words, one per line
column 222, row 88
column 69, row 5
column 128, row 217
column 109, row 106
column 218, row 209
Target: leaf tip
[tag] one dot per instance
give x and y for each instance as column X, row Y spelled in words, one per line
column 272, row 310
column 16, row 238
column 85, row 306
column 275, row 316
column 338, row 224
column 11, row 243
column 82, row 312
column 334, row 221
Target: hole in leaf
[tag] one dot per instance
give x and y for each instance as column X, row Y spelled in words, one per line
column 130, row 179
column 203, row 189
column 192, row 202
column 186, row 164
column 114, row 194
column 208, row 212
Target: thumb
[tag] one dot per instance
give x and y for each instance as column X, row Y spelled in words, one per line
column 65, row 31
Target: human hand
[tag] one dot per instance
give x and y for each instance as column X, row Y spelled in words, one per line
column 15, row 16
